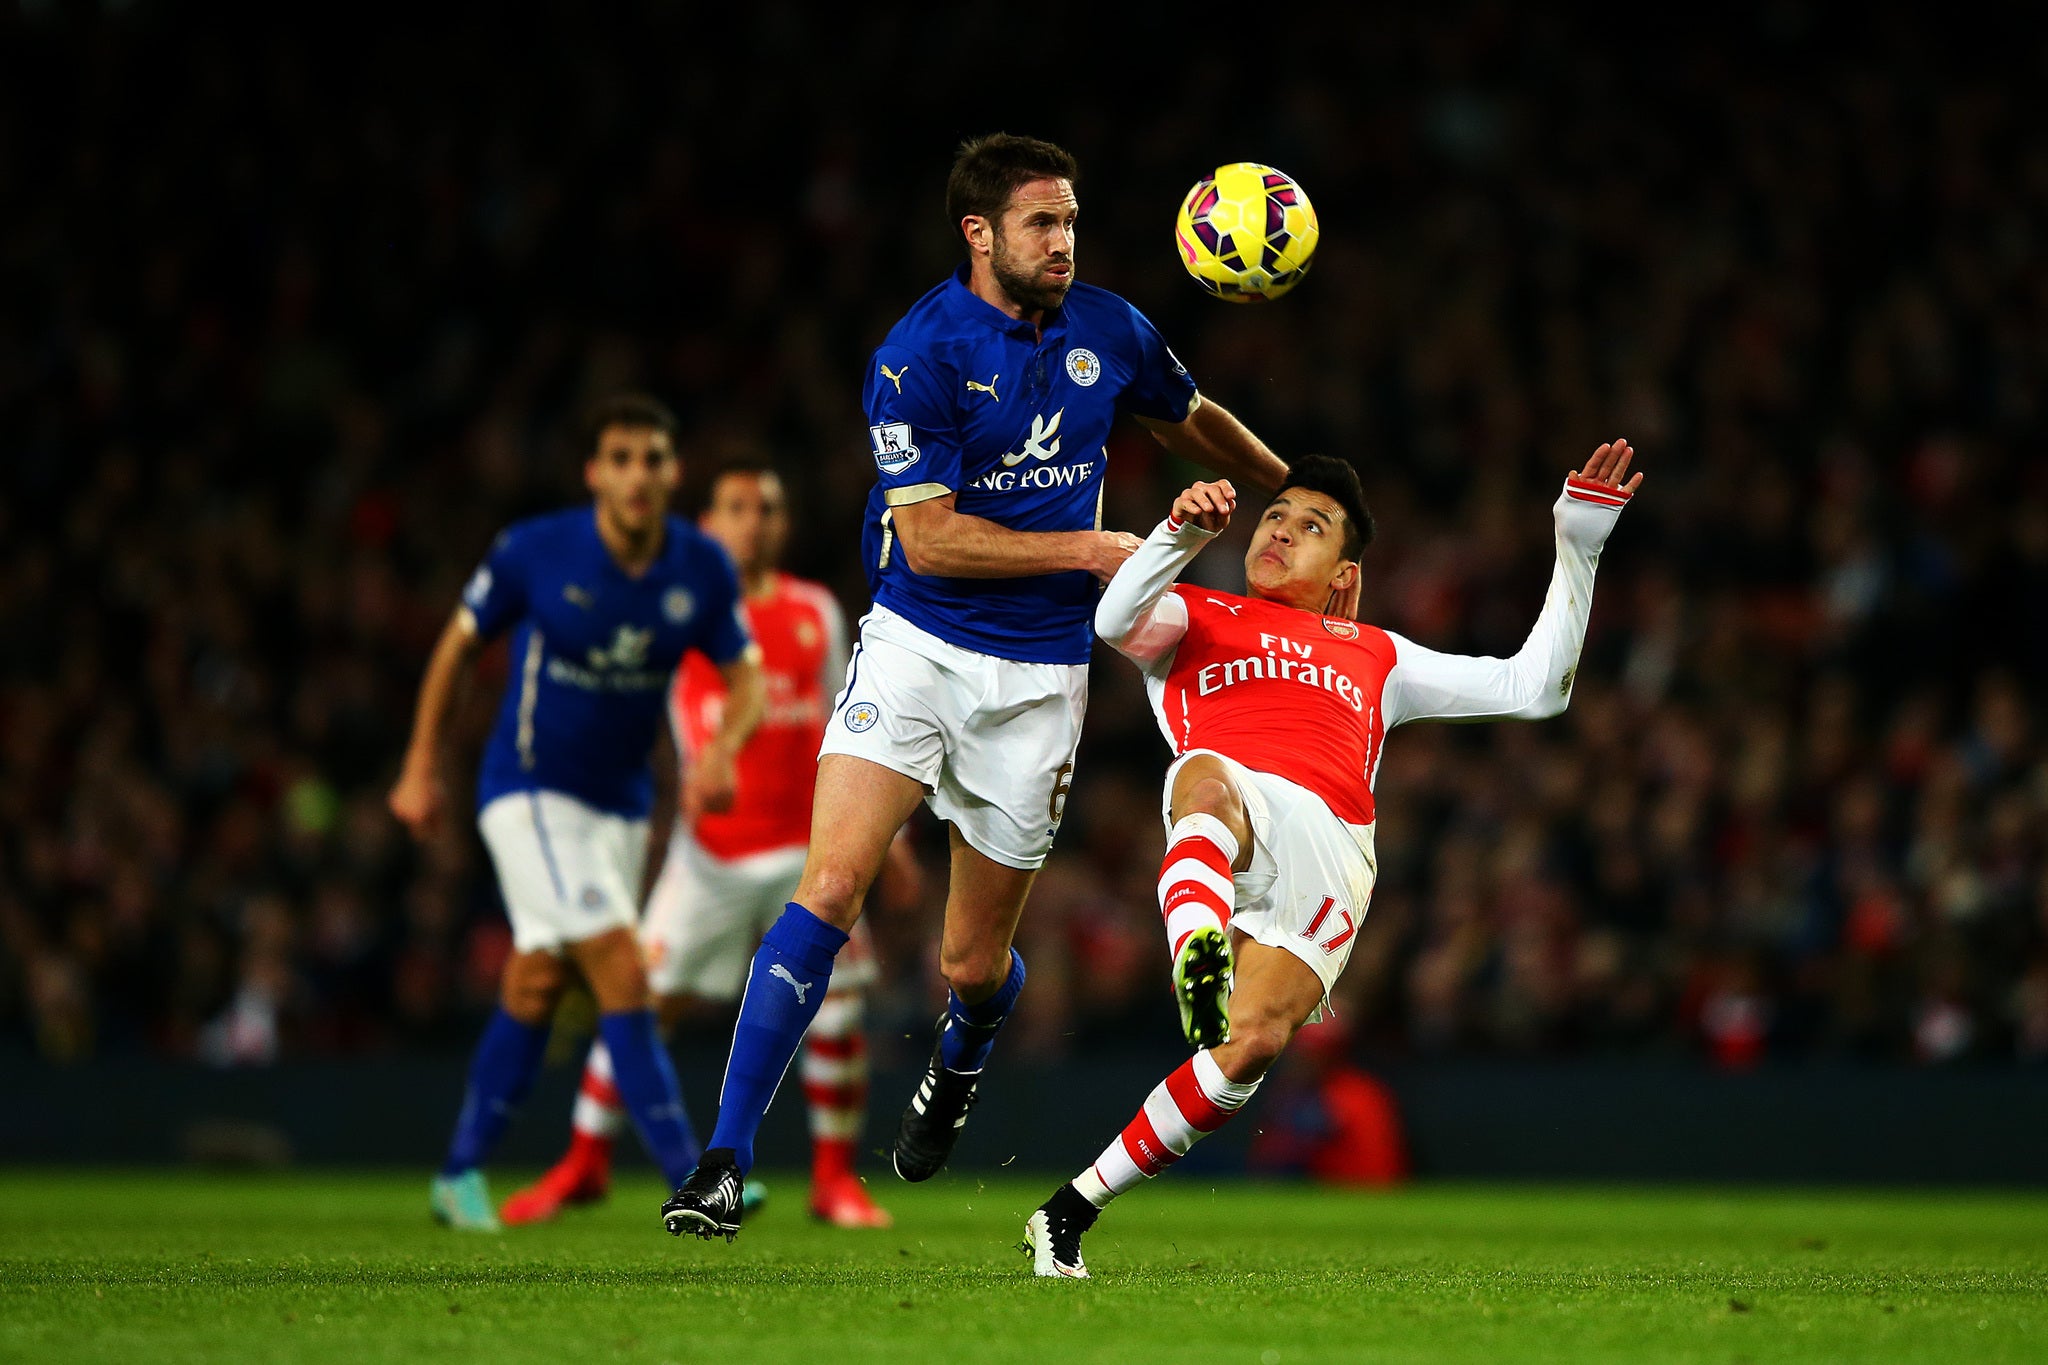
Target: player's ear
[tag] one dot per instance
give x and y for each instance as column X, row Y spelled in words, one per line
column 980, row 233
column 1347, row 574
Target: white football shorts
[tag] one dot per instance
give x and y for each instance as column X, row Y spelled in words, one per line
column 566, row 872
column 706, row 915
column 1311, row 874
column 992, row 740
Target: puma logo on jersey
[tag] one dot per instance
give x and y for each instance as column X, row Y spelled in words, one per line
column 895, row 377
column 802, row 988
column 1232, row 607
column 576, row 597
column 1042, row 444
column 976, row 386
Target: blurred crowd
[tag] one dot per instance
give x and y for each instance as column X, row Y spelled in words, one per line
column 301, row 310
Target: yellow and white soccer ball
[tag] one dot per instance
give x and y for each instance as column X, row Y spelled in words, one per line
column 1246, row 232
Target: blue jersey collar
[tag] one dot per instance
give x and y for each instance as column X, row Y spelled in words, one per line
column 967, row 305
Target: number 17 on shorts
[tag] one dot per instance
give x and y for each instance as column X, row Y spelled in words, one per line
column 1333, row 919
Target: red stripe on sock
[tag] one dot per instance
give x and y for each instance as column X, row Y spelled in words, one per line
column 1201, row 1112
column 1147, row 1152
column 1203, row 850
column 601, row 1092
column 839, row 1049
column 1174, row 893
column 847, row 1097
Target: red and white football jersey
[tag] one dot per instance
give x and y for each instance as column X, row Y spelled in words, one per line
column 1282, row 691
column 1311, row 698
column 802, row 636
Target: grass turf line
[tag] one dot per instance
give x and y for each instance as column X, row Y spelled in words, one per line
column 181, row 1267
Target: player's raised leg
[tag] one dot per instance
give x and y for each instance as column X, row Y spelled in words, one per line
column 1210, row 838
column 984, row 975
column 1276, row 994
column 858, row 809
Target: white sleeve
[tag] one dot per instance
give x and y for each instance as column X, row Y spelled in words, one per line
column 1139, row 618
column 1537, row 681
column 832, row 672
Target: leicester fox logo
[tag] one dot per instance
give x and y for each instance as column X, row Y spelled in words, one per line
column 1042, row 444
column 802, row 988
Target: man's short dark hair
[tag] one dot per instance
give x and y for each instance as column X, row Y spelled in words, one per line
column 1336, row 480
column 759, row 466
column 989, row 169
column 640, row 411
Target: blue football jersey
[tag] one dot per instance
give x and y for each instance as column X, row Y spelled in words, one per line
column 593, row 652
column 963, row 399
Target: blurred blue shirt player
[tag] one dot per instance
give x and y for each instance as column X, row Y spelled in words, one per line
column 602, row 601
column 988, row 409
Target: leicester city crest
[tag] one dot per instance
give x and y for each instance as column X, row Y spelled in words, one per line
column 677, row 604
column 1082, row 366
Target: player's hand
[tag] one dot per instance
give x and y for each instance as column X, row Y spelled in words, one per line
column 1609, row 466
column 1207, row 505
column 1111, row 550
column 418, row 799
column 710, row 786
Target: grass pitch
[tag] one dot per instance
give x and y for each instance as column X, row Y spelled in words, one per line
column 167, row 1267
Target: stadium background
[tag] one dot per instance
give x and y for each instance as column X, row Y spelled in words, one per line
column 301, row 310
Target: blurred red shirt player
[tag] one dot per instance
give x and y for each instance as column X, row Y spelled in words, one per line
column 729, row 873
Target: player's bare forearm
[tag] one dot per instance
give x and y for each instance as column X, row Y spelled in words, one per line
column 452, row 653
column 416, row 798
column 1213, row 438
column 938, row 540
column 714, row 774
column 746, row 701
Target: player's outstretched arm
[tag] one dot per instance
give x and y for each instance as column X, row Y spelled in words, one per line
column 1213, row 438
column 1537, row 682
column 1137, row 616
column 938, row 539
column 419, row 798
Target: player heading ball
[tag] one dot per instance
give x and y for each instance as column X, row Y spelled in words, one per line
column 989, row 409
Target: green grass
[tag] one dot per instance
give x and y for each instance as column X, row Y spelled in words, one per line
column 166, row 1267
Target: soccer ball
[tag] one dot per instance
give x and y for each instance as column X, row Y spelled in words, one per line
column 1246, row 232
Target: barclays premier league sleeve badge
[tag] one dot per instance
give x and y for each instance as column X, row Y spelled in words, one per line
column 894, row 452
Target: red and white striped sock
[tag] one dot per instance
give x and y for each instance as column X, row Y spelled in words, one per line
column 1193, row 1102
column 600, row 1114
column 835, row 1076
column 1194, row 877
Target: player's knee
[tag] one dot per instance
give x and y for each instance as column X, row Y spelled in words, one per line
column 531, row 987
column 832, row 892
column 1253, row 1047
column 975, row 975
column 1208, row 796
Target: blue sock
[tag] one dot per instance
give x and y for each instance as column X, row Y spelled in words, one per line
column 971, row 1029
column 647, row 1083
column 784, row 989
column 507, row 1059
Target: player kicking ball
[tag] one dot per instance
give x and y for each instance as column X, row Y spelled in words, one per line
column 729, row 873
column 603, row 601
column 1277, row 710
